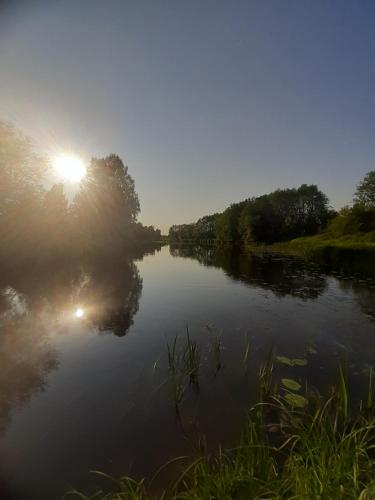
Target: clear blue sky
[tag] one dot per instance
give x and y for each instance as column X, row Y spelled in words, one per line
column 208, row 102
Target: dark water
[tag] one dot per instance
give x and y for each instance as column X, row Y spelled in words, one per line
column 93, row 392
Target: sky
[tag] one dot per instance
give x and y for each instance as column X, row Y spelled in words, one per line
column 208, row 102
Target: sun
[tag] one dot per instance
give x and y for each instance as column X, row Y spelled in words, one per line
column 79, row 312
column 70, row 168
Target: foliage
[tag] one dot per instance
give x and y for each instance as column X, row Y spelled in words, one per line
column 359, row 219
column 281, row 215
column 203, row 229
column 106, row 205
column 38, row 224
column 21, row 194
column 365, row 193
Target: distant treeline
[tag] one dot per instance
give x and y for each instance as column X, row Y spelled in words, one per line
column 283, row 215
column 39, row 222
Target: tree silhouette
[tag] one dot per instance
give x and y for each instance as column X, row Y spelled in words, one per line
column 365, row 193
column 107, row 204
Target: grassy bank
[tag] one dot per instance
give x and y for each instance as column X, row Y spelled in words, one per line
column 293, row 446
column 352, row 253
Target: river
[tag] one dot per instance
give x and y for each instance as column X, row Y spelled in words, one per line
column 84, row 378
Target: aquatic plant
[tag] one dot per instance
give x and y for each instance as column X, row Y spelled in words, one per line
column 216, row 346
column 176, row 374
column 246, row 352
column 191, row 358
column 286, row 451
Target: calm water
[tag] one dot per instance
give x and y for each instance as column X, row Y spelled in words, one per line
column 84, row 383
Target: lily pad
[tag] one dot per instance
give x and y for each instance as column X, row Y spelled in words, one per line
column 291, row 384
column 299, row 362
column 291, row 362
column 284, row 360
column 296, row 400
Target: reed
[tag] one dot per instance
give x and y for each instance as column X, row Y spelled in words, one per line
column 323, row 449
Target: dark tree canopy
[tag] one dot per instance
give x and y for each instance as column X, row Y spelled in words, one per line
column 281, row 215
column 365, row 193
column 107, row 206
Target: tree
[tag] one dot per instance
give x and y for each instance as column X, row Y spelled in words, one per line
column 21, row 194
column 365, row 193
column 280, row 215
column 107, row 205
column 56, row 225
column 226, row 227
column 21, row 170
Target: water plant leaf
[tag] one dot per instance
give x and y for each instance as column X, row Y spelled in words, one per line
column 299, row 362
column 291, row 384
column 296, row 400
column 291, row 362
column 284, row 360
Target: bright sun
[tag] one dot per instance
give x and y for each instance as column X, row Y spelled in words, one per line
column 70, row 168
column 79, row 312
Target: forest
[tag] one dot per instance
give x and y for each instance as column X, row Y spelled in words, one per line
column 283, row 215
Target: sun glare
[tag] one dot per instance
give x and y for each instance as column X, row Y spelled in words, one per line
column 79, row 313
column 70, row 168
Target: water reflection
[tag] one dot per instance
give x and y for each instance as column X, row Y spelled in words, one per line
column 40, row 302
column 283, row 276
column 104, row 396
column 364, row 293
column 26, row 358
column 110, row 292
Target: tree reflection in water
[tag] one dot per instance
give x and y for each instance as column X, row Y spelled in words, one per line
column 36, row 301
column 279, row 274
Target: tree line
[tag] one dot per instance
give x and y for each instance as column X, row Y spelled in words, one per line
column 283, row 215
column 41, row 222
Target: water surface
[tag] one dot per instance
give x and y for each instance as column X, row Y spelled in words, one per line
column 84, row 383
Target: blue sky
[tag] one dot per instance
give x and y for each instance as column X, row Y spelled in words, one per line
column 208, row 102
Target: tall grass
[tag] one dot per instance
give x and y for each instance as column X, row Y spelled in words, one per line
column 216, row 346
column 325, row 450
column 183, row 363
column 191, row 357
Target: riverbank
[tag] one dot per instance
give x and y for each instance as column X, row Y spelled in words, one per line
column 351, row 254
column 292, row 446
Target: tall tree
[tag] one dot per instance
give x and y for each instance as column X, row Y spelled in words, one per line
column 21, row 169
column 365, row 193
column 107, row 204
column 21, row 193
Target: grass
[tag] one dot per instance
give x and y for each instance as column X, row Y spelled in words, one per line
column 191, row 357
column 216, row 346
column 183, row 363
column 321, row 449
column 351, row 253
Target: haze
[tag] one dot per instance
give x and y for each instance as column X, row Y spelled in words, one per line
column 207, row 102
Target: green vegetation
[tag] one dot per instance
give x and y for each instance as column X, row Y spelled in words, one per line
column 365, row 193
column 347, row 244
column 281, row 215
column 292, row 446
column 297, row 221
column 39, row 224
column 183, row 364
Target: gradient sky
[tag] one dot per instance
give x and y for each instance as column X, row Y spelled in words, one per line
column 208, row 102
